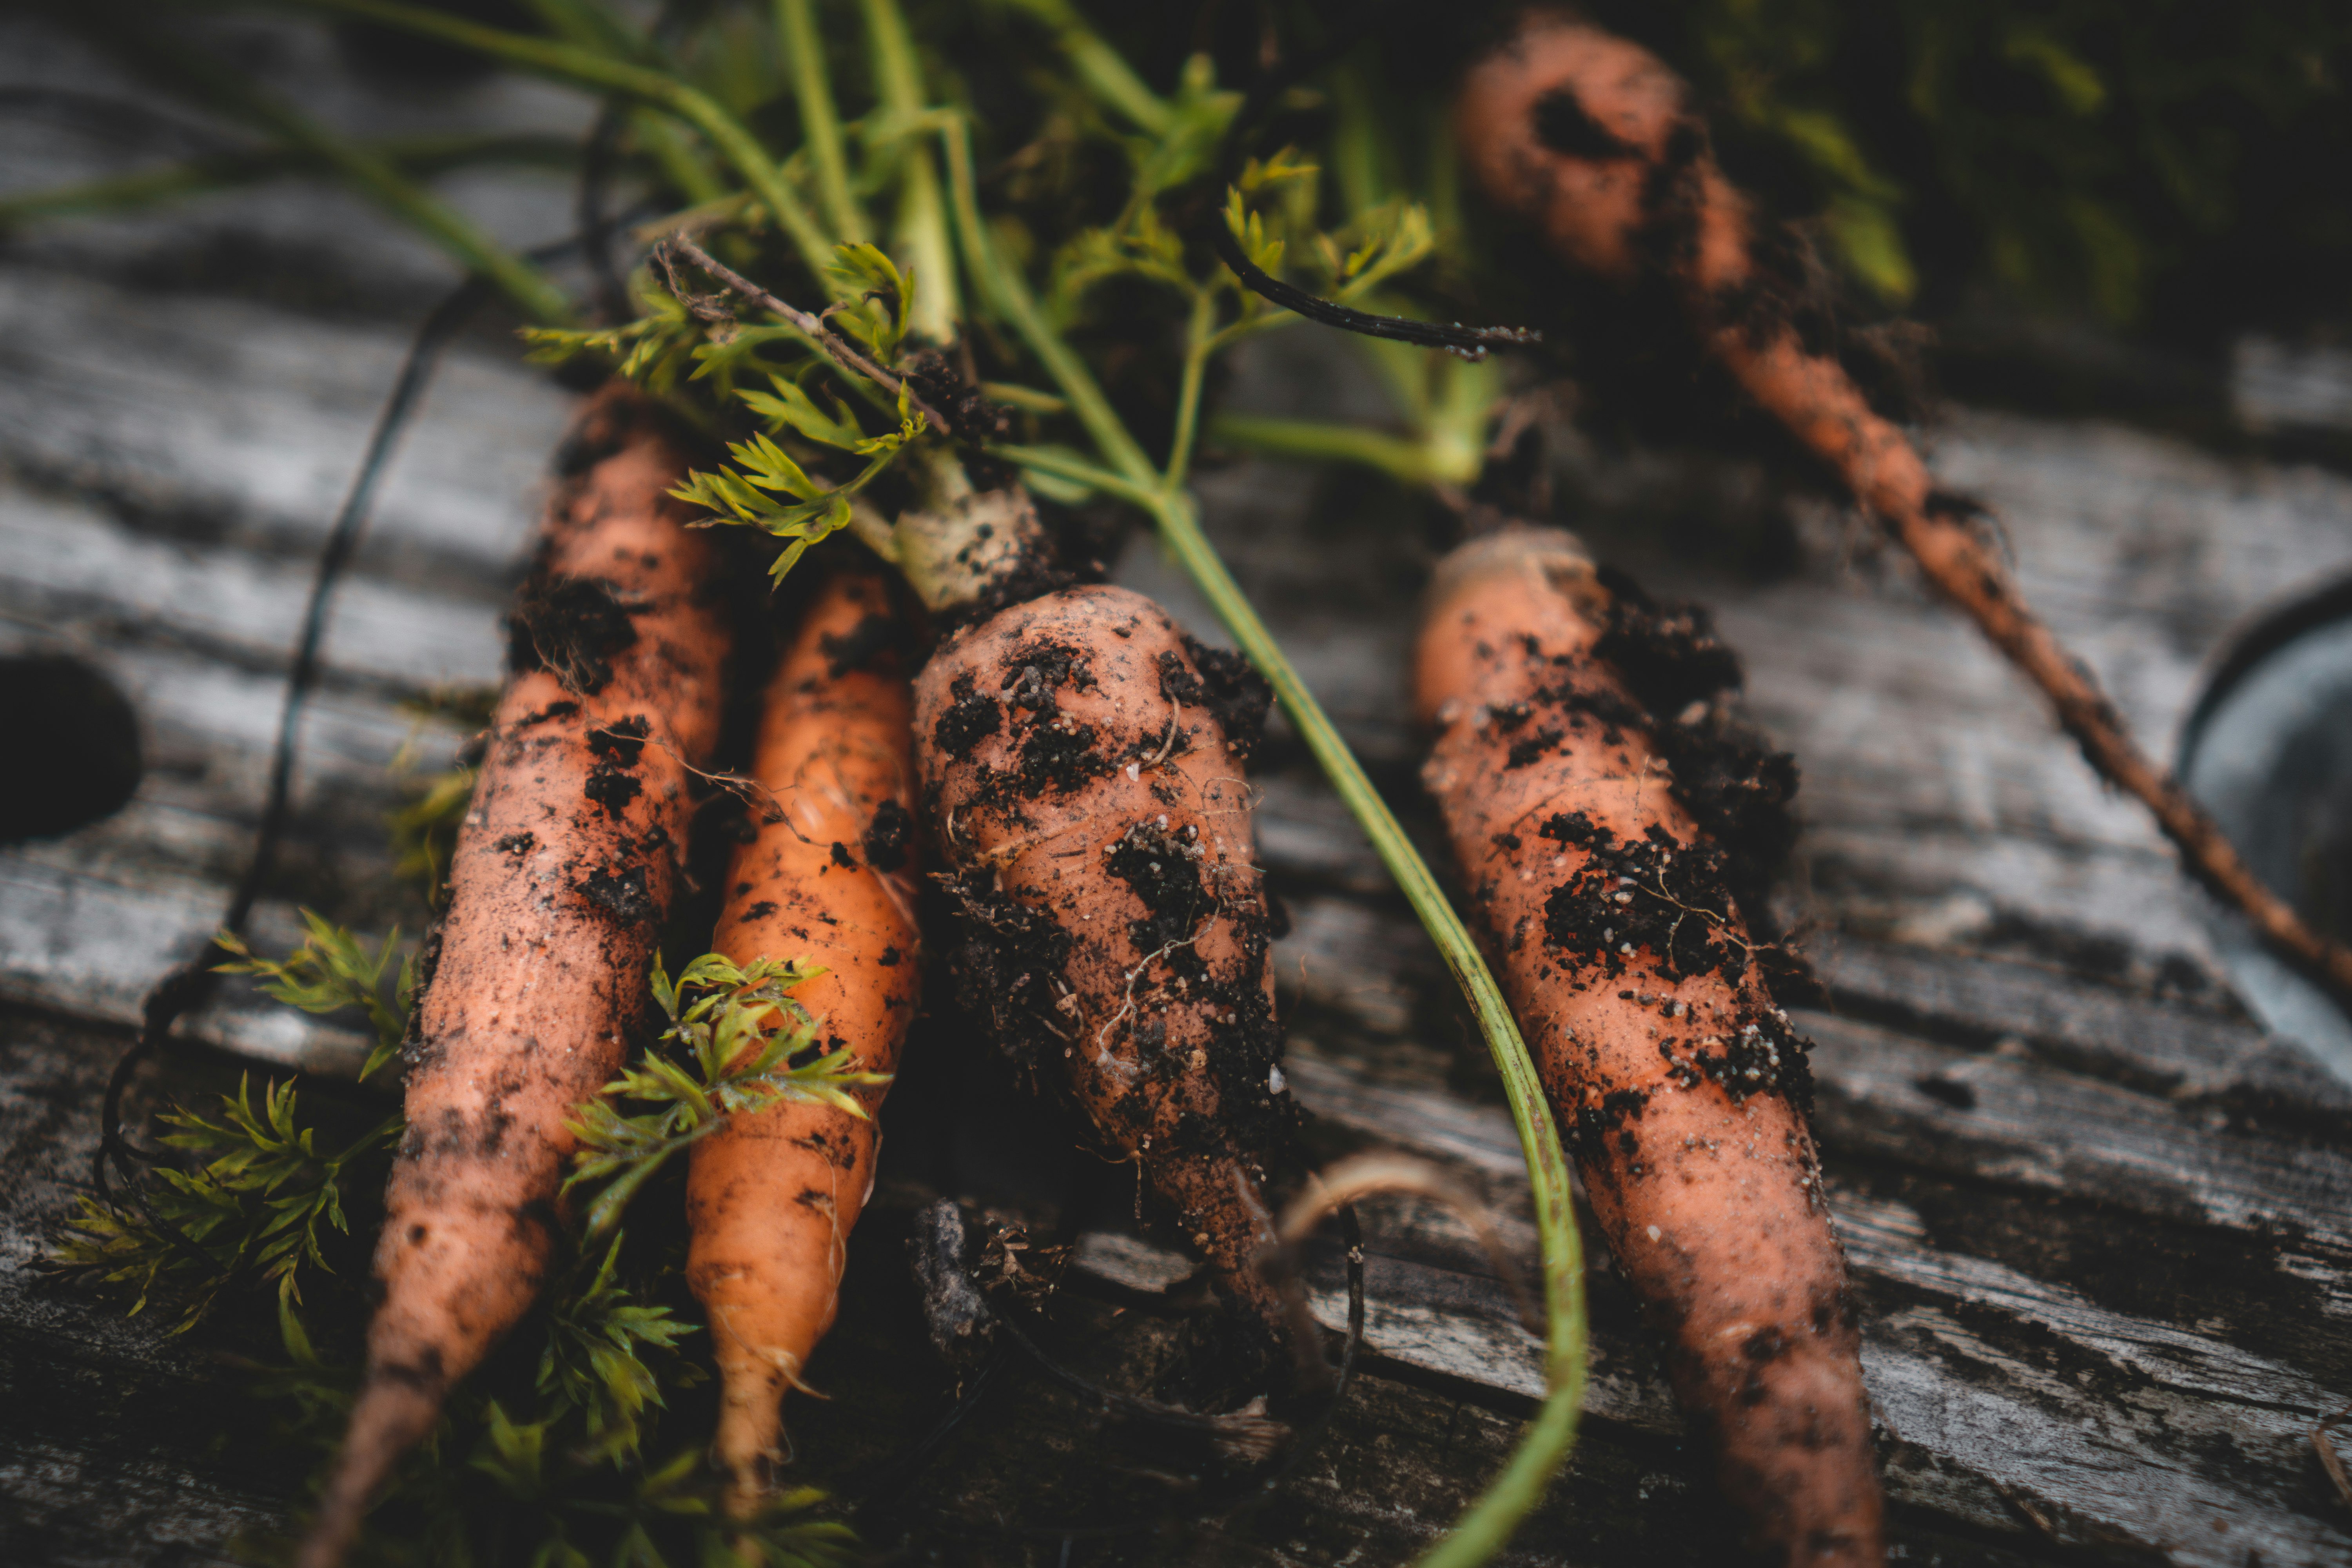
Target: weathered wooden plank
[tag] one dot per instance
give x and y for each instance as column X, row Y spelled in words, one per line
column 83, row 578
column 80, row 945
column 174, row 460
column 2275, row 385
column 2012, row 1121
column 234, row 423
column 1997, row 1388
column 105, row 1458
column 305, row 243
column 1307, row 836
column 2167, row 1047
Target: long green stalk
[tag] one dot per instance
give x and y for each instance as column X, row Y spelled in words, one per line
column 1200, row 342
column 413, row 156
column 590, row 26
column 230, row 92
column 1008, row 292
column 922, row 228
column 1405, row 460
column 820, row 120
column 1099, row 66
column 586, row 68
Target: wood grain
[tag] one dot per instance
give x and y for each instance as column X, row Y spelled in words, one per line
column 2102, row 1221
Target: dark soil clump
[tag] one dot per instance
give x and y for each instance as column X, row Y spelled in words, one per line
column 1005, row 960
column 620, row 741
column 611, row 783
column 887, row 837
column 612, row 788
column 1670, row 900
column 1224, row 683
column 969, row 720
column 1159, row 865
column 571, row 628
column 1655, row 894
column 1726, row 773
column 625, row 895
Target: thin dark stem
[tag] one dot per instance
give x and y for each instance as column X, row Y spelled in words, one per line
column 423, row 358
column 1469, row 342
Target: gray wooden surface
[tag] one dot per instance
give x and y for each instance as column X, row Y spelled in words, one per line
column 2100, row 1221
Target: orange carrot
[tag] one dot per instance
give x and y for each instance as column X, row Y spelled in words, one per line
column 565, row 866
column 1679, row 1083
column 1080, row 759
column 1592, row 137
column 771, row 1196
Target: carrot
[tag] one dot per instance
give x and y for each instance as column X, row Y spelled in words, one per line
column 1680, row 1085
column 771, row 1196
column 1080, row 761
column 1592, row 137
column 565, row 866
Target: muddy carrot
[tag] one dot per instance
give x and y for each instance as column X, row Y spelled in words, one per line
column 564, row 867
column 1593, row 138
column 772, row 1197
column 1678, row 1082
column 1081, row 763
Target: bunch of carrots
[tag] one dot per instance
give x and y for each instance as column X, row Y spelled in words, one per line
column 953, row 700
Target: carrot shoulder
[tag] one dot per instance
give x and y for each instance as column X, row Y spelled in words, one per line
column 772, row 1197
column 1680, row 1085
column 564, row 867
column 1115, row 935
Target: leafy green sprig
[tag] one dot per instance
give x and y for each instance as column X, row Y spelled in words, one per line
column 333, row 969
column 733, row 1037
column 540, row 1457
column 256, row 1209
column 550, row 1439
column 520, row 1497
column 263, row 1197
column 679, row 341
column 424, row 832
column 595, row 1359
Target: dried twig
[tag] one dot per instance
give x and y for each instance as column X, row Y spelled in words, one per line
column 818, row 329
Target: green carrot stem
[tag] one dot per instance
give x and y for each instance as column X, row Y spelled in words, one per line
column 922, row 227
column 1403, row 460
column 1004, row 286
column 586, row 67
column 413, row 156
column 1099, row 66
column 820, row 120
column 176, row 67
column 592, row 26
column 1201, row 342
